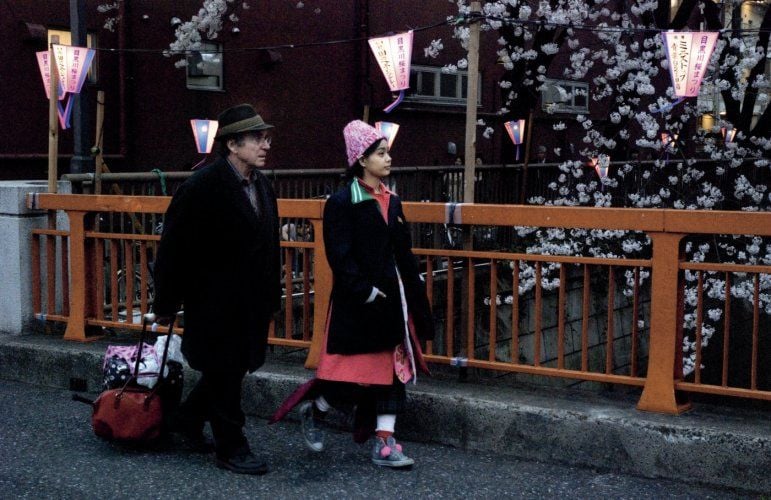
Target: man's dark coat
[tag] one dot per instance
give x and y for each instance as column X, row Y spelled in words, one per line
column 363, row 251
column 220, row 260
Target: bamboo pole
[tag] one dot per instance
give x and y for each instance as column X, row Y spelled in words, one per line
column 53, row 125
column 469, row 177
column 471, row 106
column 98, row 142
column 529, row 136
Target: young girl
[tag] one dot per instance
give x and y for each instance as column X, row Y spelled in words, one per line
column 378, row 306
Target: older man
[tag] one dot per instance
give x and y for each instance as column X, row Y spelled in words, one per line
column 219, row 258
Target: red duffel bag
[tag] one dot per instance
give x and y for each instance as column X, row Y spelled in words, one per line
column 128, row 414
column 132, row 412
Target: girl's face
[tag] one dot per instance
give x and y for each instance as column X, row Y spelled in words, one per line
column 378, row 164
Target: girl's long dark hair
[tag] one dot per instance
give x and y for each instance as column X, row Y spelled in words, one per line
column 357, row 170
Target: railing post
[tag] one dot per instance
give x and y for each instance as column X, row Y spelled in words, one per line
column 81, row 270
column 666, row 328
column 322, row 287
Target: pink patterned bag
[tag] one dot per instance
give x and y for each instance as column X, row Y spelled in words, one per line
column 119, row 363
column 127, row 353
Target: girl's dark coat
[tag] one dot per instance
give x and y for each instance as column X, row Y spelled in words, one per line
column 220, row 260
column 362, row 251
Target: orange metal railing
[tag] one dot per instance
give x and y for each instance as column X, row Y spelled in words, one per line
column 574, row 323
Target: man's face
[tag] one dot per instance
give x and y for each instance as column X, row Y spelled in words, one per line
column 251, row 151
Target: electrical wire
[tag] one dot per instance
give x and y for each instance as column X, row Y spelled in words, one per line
column 269, row 47
column 452, row 21
column 600, row 29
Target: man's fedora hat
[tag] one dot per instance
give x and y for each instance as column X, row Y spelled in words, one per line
column 241, row 118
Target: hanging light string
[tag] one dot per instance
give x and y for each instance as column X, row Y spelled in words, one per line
column 172, row 52
column 586, row 27
column 452, row 21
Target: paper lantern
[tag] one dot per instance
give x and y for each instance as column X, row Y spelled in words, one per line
column 45, row 73
column 729, row 133
column 387, row 130
column 669, row 141
column 688, row 54
column 72, row 64
column 516, row 131
column 601, row 165
column 204, row 132
column 393, row 54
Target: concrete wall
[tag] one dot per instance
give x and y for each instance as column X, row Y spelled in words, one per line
column 16, row 225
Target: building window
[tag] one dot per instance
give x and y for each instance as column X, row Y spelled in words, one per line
column 64, row 37
column 204, row 68
column 428, row 84
column 565, row 96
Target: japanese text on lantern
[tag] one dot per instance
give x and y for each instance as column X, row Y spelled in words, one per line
column 402, row 75
column 688, row 54
column 45, row 71
column 393, row 54
column 381, row 53
column 699, row 65
column 681, row 70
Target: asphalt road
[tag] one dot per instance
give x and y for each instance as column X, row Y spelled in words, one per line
column 47, row 450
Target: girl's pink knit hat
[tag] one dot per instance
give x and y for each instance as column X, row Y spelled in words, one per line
column 358, row 137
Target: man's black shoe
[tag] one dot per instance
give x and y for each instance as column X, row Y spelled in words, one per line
column 243, row 463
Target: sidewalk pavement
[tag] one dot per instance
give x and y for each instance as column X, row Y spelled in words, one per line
column 48, row 451
column 710, row 445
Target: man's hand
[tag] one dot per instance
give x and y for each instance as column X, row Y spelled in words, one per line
column 163, row 320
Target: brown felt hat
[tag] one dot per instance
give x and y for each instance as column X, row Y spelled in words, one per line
column 241, row 118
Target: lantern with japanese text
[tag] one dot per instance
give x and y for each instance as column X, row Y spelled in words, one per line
column 388, row 130
column 516, row 131
column 72, row 64
column 64, row 112
column 204, row 132
column 45, row 73
column 393, row 54
column 688, row 55
column 729, row 133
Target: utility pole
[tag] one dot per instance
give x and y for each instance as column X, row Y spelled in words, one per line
column 471, row 104
column 82, row 161
column 53, row 129
column 469, row 178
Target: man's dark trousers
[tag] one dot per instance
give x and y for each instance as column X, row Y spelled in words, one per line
column 217, row 398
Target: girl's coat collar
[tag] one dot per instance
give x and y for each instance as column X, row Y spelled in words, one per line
column 359, row 193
